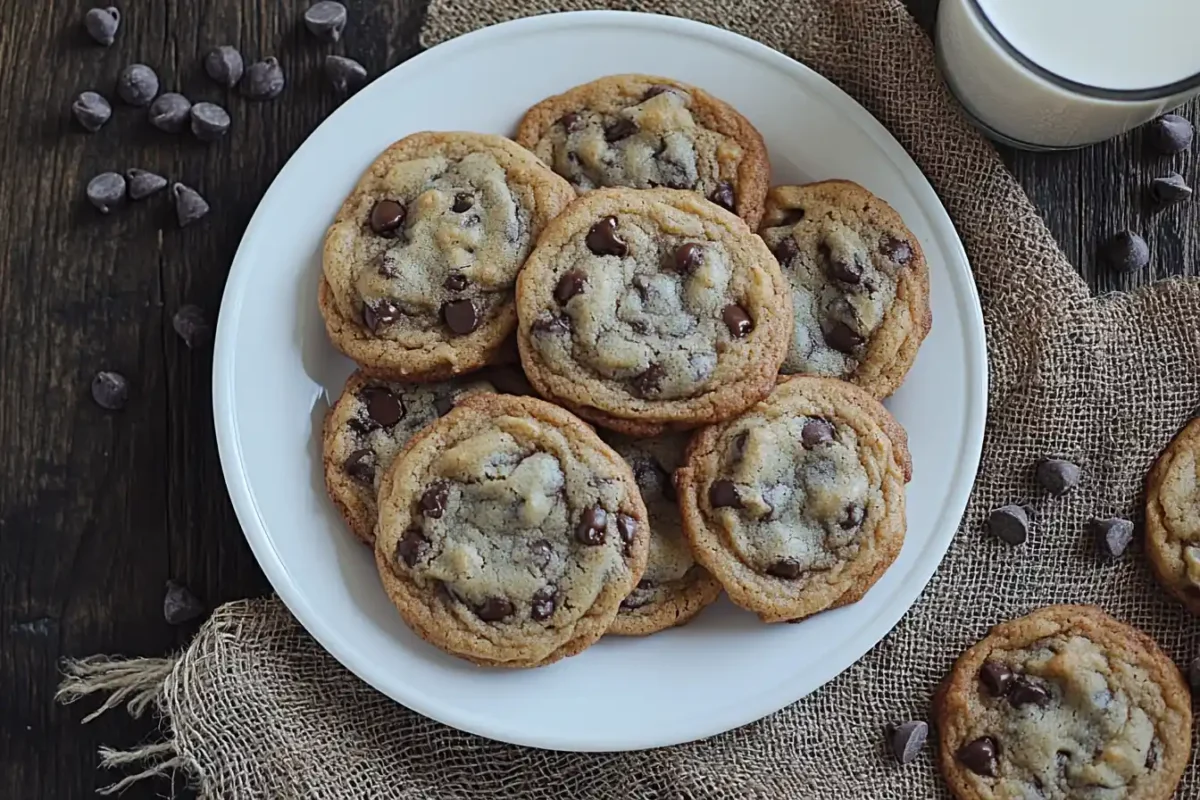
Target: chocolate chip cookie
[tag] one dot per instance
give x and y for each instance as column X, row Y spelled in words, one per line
column 651, row 310
column 509, row 533
column 646, row 132
column 1061, row 704
column 797, row 506
column 420, row 263
column 370, row 422
column 674, row 587
column 859, row 283
column 1173, row 516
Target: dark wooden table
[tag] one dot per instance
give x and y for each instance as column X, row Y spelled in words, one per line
column 99, row 509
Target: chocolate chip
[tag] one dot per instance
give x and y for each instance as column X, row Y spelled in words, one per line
column 224, row 65
column 1194, row 674
column 137, row 85
column 786, row 568
column 142, row 184
column 209, row 122
column 1169, row 134
column 842, row 337
column 360, row 465
column 494, row 609
column 786, row 250
column 853, row 516
column 541, row 550
column 1112, row 536
column 642, row 594
column 550, row 323
column 1009, row 524
column 656, row 90
column 649, row 382
column 602, row 239
column 412, row 546
column 192, row 325
column 1024, row 692
column 839, row 269
column 649, row 474
column 106, row 191
column 569, row 285
column 326, row 20
column 433, row 500
column 621, row 129
column 455, row 282
column 180, row 605
column 723, row 196
column 815, row 433
column 387, row 216
column 189, row 205
column 590, row 530
column 996, row 677
column 898, row 250
column 102, row 24
column 345, row 75
column 1057, row 476
column 462, row 202
column 737, row 321
column 169, row 112
column 461, row 316
column 979, row 756
column 91, row 110
column 1170, row 189
column 1152, row 755
column 1126, row 252
column 688, row 257
column 263, row 80
column 626, row 526
column 723, row 494
column 110, row 390
column 543, row 603
column 378, row 313
column 383, row 407
column 570, row 121
column 907, row 739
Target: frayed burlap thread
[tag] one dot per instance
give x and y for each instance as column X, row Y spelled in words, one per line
column 255, row 708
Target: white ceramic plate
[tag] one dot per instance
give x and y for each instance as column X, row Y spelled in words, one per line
column 275, row 371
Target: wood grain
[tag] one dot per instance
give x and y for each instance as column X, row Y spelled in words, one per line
column 98, row 509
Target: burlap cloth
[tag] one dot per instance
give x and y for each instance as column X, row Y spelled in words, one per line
column 254, row 708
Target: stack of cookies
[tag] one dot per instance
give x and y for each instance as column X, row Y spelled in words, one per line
column 623, row 264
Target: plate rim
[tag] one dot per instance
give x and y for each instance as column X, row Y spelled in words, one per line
column 873, row 630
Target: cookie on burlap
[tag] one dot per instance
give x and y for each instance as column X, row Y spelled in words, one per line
column 1065, row 702
column 797, row 506
column 649, row 310
column 420, row 263
column 859, row 283
column 1173, row 516
column 674, row 588
column 509, row 532
column 645, row 132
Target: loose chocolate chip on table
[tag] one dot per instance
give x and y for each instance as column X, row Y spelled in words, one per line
column 1170, row 189
column 378, row 313
column 1009, row 524
column 786, row 568
column 91, row 110
column 169, row 112
column 550, row 323
column 180, row 605
column 907, row 739
column 996, row 677
column 110, row 390
column 1169, row 134
column 897, row 250
column 462, row 317
column 815, row 433
column 411, row 546
column 570, row 121
column 345, row 74
column 142, row 183
column 360, row 465
column 383, row 406
column 433, row 500
column 137, row 85
column 1194, row 674
column 590, row 530
column 102, row 24
column 737, row 321
column 106, row 191
column 1057, row 476
column 456, row 282
column 326, row 20
column 723, row 494
column 688, row 257
column 723, row 196
column 648, row 382
column 189, row 205
column 627, row 527
column 842, row 337
column 979, row 756
column 1024, row 693
column 224, row 65
column 542, row 550
column 786, row 250
column 1112, row 536
column 462, row 202
column 209, row 121
column 621, row 129
column 263, row 80
column 543, row 603
column 387, row 216
column 494, row 609
column 570, row 284
column 1126, row 252
column 602, row 239
column 192, row 325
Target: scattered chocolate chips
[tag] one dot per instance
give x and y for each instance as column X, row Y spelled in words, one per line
column 626, row 526
column 224, row 65
column 688, row 257
column 180, row 605
column 570, row 284
column 209, row 121
column 602, row 239
column 192, row 325
column 1170, row 189
column 263, row 80
column 360, row 465
column 462, row 317
column 137, row 85
column 590, row 530
column 723, row 494
column 1023, row 692
column 542, row 551
column 1112, row 536
column 543, row 603
column 106, row 191
column 621, row 129
column 649, row 382
column 433, row 500
column 842, row 337
column 550, row 323
column 462, row 202
column 1057, row 476
column 189, row 205
column 142, row 184
column 494, row 609
column 1169, row 134
column 737, row 321
column 786, row 250
column 102, row 24
column 996, row 678
column 345, row 75
column 169, row 112
column 1126, row 252
column 815, row 433
column 91, row 110
column 1194, row 674
column 110, row 390
column 387, row 216
column 383, row 407
column 411, row 546
column 379, row 313
column 326, row 20
column 570, row 121
column 786, row 568
column 1009, row 524
column 979, row 756
column 898, row 250
column 907, row 739
column 723, row 196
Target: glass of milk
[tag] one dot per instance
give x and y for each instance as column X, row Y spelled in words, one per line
column 1056, row 74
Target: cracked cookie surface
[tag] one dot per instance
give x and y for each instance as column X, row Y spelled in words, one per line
column 509, row 532
column 1065, row 703
column 1173, row 516
column 646, row 132
column 859, row 283
column 420, row 264
column 797, row 506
